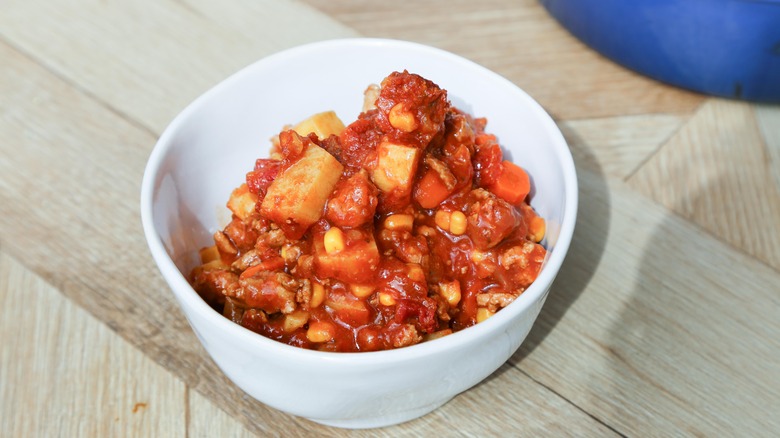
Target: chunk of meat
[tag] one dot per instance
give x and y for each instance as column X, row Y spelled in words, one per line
column 212, row 284
column 521, row 263
column 353, row 201
column 412, row 109
column 490, row 219
column 269, row 291
column 401, row 335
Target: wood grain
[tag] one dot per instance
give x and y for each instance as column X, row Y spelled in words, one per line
column 655, row 326
column 520, row 41
column 65, row 374
column 663, row 320
column 716, row 172
column 618, row 146
column 126, row 292
column 148, row 60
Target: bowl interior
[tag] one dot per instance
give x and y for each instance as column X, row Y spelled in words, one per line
column 207, row 150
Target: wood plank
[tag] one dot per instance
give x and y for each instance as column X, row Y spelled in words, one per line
column 114, row 278
column 207, row 420
column 634, row 333
column 768, row 118
column 62, row 150
column 66, row 374
column 716, row 172
column 149, row 59
column 653, row 325
column 619, row 145
column 520, row 41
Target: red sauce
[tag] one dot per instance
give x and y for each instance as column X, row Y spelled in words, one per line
column 399, row 273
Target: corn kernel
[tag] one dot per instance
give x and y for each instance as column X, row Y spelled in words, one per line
column 295, row 320
column 334, row 240
column 361, row 291
column 317, row 295
column 536, row 229
column 483, row 313
column 416, row 272
column 458, row 223
column 399, row 222
column 442, row 219
column 450, row 292
column 478, row 256
column 386, row 299
column 402, row 119
column 320, row 331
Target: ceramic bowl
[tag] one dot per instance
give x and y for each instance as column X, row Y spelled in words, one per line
column 207, row 150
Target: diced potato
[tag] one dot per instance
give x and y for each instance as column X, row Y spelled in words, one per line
column 437, row 335
column 395, row 169
column 209, row 254
column 323, row 124
column 357, row 263
column 295, row 320
column 348, row 309
column 296, row 198
column 242, row 202
column 370, row 96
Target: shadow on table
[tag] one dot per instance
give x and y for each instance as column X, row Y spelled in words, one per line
column 679, row 342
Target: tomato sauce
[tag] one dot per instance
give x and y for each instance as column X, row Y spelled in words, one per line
column 405, row 226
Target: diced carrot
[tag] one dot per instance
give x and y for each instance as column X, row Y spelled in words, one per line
column 512, row 185
column 430, row 191
column 268, row 265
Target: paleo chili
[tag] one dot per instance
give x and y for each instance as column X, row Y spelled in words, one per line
column 402, row 227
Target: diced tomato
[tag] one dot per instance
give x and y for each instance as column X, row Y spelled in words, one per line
column 487, row 164
column 265, row 172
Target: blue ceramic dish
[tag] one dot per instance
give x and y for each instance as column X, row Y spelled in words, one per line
column 727, row 48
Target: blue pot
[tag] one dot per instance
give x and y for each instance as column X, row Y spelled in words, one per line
column 727, row 48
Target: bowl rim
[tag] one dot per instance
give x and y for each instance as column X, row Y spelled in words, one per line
column 187, row 295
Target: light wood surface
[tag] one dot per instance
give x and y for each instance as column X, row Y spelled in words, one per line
column 664, row 320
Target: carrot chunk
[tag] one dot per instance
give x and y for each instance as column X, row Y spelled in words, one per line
column 268, row 265
column 512, row 185
column 431, row 190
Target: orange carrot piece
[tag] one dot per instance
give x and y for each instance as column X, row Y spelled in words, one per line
column 430, row 191
column 268, row 265
column 513, row 185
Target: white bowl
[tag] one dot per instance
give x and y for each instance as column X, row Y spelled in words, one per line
column 209, row 147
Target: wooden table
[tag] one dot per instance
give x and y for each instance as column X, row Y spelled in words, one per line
column 664, row 320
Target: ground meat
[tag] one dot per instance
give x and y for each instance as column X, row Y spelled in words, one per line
column 495, row 300
column 268, row 290
column 242, row 234
column 212, row 284
column 402, row 335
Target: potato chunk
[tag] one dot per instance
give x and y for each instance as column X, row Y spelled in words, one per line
column 395, row 169
column 296, row 198
column 242, row 202
column 323, row 124
column 356, row 263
